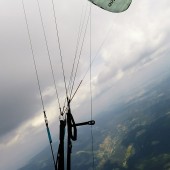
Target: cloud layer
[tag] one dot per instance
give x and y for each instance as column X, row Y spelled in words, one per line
column 131, row 48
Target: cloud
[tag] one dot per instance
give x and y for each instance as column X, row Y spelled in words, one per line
column 135, row 43
column 15, row 146
column 135, row 49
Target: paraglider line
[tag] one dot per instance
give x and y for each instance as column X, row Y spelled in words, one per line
column 38, row 82
column 91, row 93
column 80, row 55
column 76, row 91
column 49, row 57
column 90, row 66
column 33, row 56
column 58, row 39
column 82, row 20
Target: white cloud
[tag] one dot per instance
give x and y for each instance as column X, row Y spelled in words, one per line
column 136, row 48
column 119, row 75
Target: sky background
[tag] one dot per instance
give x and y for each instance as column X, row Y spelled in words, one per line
column 132, row 49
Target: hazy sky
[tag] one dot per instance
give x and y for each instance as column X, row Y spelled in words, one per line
column 132, row 48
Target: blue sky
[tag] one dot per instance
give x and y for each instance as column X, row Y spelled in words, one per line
column 135, row 50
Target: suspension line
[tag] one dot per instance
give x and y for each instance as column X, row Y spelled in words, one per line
column 49, row 56
column 82, row 21
column 91, row 93
column 80, row 55
column 38, row 82
column 33, row 55
column 58, row 39
column 92, row 61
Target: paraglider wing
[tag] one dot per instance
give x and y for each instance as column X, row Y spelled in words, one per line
column 113, row 5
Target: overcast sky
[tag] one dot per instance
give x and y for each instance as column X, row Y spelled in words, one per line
column 132, row 48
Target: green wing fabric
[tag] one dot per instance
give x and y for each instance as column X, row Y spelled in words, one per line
column 113, row 5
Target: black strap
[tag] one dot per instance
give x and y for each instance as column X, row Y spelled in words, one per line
column 72, row 135
column 72, row 127
column 60, row 155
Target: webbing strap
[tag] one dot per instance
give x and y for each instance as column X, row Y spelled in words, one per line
column 60, row 155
